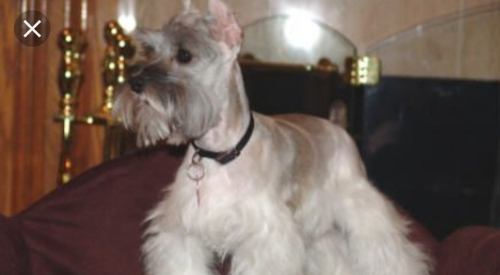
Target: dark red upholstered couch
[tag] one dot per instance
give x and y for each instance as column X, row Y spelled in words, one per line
column 93, row 226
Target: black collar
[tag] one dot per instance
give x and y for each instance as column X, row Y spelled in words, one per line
column 227, row 156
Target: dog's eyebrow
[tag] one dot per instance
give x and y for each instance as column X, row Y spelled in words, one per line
column 135, row 69
column 146, row 50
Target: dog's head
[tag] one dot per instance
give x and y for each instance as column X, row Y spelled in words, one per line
column 178, row 81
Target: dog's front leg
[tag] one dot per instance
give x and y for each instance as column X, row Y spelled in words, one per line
column 175, row 253
column 276, row 249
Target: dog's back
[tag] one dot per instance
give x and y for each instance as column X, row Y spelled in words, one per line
column 315, row 156
column 334, row 203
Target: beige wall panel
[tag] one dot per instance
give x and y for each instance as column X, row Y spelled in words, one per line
column 479, row 53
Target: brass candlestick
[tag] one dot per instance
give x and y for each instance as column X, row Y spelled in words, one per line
column 69, row 78
column 118, row 51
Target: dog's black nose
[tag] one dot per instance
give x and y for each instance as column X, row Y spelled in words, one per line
column 136, row 84
column 135, row 80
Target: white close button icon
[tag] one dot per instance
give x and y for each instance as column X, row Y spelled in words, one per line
column 32, row 28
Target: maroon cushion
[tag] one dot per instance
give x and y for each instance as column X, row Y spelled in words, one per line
column 472, row 250
column 14, row 257
column 92, row 226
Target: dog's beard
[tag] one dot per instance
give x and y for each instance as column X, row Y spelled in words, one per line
column 173, row 112
column 146, row 115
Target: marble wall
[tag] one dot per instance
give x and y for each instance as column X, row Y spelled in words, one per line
column 463, row 48
column 369, row 22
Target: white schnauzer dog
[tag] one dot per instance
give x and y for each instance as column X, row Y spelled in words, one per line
column 283, row 195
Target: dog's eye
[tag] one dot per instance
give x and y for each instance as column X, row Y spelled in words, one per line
column 183, row 56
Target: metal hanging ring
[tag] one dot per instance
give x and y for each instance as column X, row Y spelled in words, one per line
column 196, row 170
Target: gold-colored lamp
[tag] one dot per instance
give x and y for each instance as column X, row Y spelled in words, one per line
column 363, row 70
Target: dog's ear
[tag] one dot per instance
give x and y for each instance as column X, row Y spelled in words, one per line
column 226, row 26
